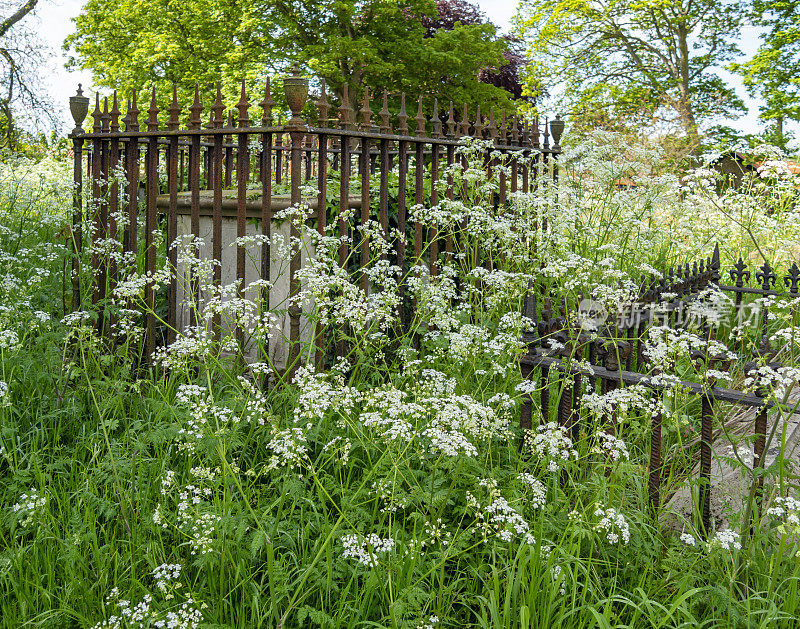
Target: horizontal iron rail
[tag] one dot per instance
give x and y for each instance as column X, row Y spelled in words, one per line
column 349, row 133
column 629, row 377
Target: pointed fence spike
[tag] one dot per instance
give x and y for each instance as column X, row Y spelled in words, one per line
column 114, row 126
column 451, row 122
column 96, row 114
column 152, row 120
column 402, row 117
column 243, row 107
column 436, row 121
column 493, row 134
column 479, row 126
column 174, row 110
column 133, row 114
column 126, row 119
column 323, row 107
column 195, row 109
column 345, row 110
column 420, row 119
column 266, row 106
column 386, row 124
column 464, row 130
column 104, row 117
column 365, row 111
column 217, row 118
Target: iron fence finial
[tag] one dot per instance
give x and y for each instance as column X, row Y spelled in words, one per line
column 79, row 108
column 402, row 117
column 243, row 107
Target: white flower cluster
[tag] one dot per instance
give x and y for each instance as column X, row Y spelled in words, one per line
column 498, row 518
column 203, row 415
column 430, row 624
column 9, row 340
column 777, row 382
column 366, row 550
column 621, row 401
column 774, row 168
column 394, row 498
column 142, row 614
column 539, row 491
column 613, row 524
column 319, row 394
column 165, row 573
column 501, row 519
column 688, row 539
column 726, row 540
column 552, row 445
column 787, row 510
column 611, row 446
column 289, row 447
column 28, row 506
column 77, row 318
column 192, row 509
column 459, row 420
column 339, row 447
column 4, row 396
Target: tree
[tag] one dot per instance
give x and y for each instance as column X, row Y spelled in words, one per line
column 453, row 13
column 649, row 60
column 774, row 72
column 21, row 57
column 135, row 44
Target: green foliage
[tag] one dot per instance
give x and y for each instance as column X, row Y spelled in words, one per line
column 264, row 500
column 139, row 45
column 636, row 63
column 773, row 72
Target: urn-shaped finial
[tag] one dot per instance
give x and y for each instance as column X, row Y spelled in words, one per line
column 79, row 108
column 556, row 130
column 295, row 89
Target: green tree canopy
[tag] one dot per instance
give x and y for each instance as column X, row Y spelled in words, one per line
column 139, row 44
column 774, row 72
column 649, row 61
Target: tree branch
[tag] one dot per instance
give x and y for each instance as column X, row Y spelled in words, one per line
column 26, row 8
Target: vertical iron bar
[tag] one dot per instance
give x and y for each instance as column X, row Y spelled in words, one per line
column 294, row 265
column 402, row 184
column 242, row 152
column 654, row 481
column 434, row 232
column 77, row 220
column 266, row 213
column 172, row 235
column 705, row 461
column 365, row 171
column 150, row 248
column 384, row 189
column 322, row 223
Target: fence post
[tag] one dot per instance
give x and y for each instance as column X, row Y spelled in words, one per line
column 706, row 437
column 79, row 108
column 296, row 91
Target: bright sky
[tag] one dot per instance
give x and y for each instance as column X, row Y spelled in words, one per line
column 54, row 25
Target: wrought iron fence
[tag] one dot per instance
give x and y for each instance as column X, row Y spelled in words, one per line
column 613, row 356
column 241, row 152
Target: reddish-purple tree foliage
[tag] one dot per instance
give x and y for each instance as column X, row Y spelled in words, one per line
column 452, row 12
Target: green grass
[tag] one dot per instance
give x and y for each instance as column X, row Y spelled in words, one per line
column 416, row 446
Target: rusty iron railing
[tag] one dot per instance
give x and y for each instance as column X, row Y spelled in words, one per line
column 217, row 156
column 613, row 357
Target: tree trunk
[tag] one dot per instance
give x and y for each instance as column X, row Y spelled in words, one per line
column 685, row 102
